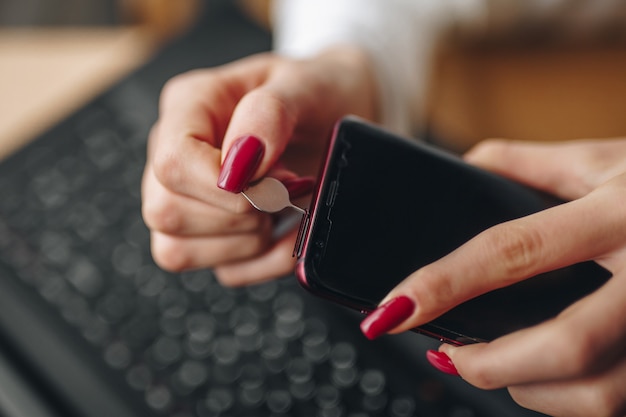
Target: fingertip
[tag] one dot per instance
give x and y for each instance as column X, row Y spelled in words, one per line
column 448, row 349
column 488, row 152
column 442, row 362
column 387, row 316
column 240, row 164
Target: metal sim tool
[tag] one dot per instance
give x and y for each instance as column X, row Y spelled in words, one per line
column 269, row 195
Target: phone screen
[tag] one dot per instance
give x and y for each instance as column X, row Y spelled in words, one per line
column 387, row 206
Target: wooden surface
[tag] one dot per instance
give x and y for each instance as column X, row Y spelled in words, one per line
column 47, row 73
column 546, row 93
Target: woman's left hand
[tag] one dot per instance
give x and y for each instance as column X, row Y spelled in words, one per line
column 572, row 365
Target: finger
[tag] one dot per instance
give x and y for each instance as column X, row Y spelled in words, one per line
column 178, row 215
column 174, row 253
column 602, row 395
column 585, row 339
column 301, row 100
column 277, row 261
column 212, row 93
column 261, row 126
column 195, row 108
column 567, row 169
column 513, row 251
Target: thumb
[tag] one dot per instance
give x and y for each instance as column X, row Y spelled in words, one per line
column 569, row 169
column 259, row 131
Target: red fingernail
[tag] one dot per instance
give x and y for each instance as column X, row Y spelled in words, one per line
column 242, row 160
column 299, row 187
column 387, row 316
column 442, row 362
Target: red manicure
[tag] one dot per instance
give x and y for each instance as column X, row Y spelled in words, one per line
column 387, row 316
column 299, row 187
column 442, row 362
column 242, row 160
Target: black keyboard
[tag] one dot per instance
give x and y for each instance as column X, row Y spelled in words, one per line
column 99, row 330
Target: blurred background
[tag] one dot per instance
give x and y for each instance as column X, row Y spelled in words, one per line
column 57, row 12
column 37, row 13
column 54, row 54
column 57, row 54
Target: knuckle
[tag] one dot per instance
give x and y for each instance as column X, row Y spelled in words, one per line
column 517, row 247
column 169, row 170
column 174, row 88
column 440, row 285
column 180, row 85
column 432, row 287
column 162, row 216
column 173, row 84
column 274, row 104
column 169, row 254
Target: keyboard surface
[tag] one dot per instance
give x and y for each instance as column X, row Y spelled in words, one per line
column 100, row 330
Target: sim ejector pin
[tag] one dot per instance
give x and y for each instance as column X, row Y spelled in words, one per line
column 269, row 195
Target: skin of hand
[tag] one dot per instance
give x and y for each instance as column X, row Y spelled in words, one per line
column 572, row 365
column 290, row 106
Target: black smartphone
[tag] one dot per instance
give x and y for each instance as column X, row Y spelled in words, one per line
column 386, row 206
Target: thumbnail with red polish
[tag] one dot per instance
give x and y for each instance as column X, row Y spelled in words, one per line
column 387, row 316
column 240, row 164
column 442, row 362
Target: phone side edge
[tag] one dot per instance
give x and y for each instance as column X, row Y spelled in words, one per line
column 304, row 235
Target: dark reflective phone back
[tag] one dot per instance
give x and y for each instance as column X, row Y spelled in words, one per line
column 385, row 206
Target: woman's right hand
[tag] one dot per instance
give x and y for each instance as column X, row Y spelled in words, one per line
column 262, row 115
